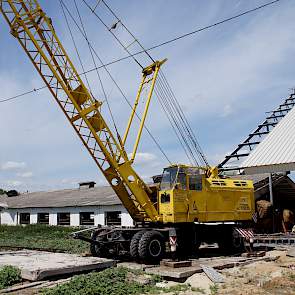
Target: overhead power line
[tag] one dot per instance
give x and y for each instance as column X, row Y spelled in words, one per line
column 156, row 46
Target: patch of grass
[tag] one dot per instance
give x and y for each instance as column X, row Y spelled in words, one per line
column 112, row 281
column 42, row 237
column 9, row 275
column 291, row 275
column 177, row 289
column 213, row 289
column 198, row 290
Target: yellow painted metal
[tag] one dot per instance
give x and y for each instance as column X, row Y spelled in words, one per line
column 153, row 71
column 219, row 200
column 133, row 112
column 34, row 31
column 154, row 68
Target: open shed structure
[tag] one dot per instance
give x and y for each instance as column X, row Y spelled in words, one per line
column 283, row 189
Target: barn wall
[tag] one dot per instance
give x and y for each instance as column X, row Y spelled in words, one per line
column 11, row 216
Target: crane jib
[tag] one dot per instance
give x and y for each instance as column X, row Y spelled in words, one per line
column 35, row 33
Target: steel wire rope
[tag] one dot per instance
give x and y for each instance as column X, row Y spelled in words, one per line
column 178, row 125
column 116, row 84
column 131, row 34
column 175, row 125
column 183, row 122
column 171, row 123
column 75, row 45
column 118, row 40
column 95, row 65
column 186, row 141
column 183, row 118
column 152, row 48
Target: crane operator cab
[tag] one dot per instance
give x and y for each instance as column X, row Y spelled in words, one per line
column 194, row 194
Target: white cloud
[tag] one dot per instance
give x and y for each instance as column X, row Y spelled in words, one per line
column 227, row 110
column 14, row 183
column 12, row 165
column 27, row 174
column 211, row 73
column 144, row 158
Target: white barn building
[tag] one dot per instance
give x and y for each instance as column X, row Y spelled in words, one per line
column 86, row 206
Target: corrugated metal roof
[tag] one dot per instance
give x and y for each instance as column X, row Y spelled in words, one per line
column 97, row 196
column 276, row 153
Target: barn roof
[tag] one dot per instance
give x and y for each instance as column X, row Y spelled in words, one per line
column 276, row 152
column 97, row 196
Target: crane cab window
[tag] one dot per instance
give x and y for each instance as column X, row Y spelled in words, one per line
column 168, row 178
column 174, row 177
column 181, row 179
column 195, row 182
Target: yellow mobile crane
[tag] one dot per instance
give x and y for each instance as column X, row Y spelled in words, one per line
column 187, row 198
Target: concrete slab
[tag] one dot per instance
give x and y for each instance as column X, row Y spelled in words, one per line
column 291, row 253
column 134, row 265
column 37, row 265
column 182, row 273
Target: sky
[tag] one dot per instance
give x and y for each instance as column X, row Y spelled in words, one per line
column 225, row 79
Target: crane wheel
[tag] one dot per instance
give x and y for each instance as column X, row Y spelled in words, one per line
column 135, row 243
column 151, row 247
column 98, row 250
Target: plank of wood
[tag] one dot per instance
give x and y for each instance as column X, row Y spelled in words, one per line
column 21, row 287
column 212, row 274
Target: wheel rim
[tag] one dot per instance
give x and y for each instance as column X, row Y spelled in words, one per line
column 155, row 248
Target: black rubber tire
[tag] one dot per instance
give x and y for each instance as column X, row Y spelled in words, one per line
column 135, row 243
column 151, row 248
column 97, row 250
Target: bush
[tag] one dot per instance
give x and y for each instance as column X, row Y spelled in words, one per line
column 112, row 281
column 9, row 275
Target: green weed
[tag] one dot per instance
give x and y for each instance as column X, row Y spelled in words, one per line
column 112, row 281
column 42, row 237
column 9, row 275
column 213, row 289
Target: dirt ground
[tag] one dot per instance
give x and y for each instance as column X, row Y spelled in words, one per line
column 259, row 278
column 262, row 278
column 274, row 277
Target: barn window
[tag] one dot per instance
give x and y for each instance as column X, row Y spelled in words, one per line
column 43, row 218
column 63, row 218
column 24, row 218
column 113, row 218
column 86, row 218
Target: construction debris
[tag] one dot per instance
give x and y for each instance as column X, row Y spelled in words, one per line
column 182, row 273
column 175, row 264
column 212, row 274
